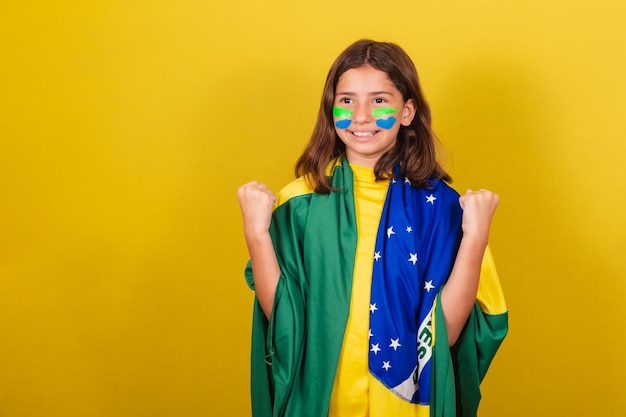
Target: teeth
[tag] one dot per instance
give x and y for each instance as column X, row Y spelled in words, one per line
column 363, row 134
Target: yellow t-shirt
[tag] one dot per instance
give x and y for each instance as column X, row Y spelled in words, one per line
column 356, row 391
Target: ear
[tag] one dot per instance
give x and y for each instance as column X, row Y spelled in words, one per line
column 408, row 112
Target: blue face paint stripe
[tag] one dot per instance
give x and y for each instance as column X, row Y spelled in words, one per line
column 343, row 124
column 386, row 123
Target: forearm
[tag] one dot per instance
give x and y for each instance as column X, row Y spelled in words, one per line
column 257, row 201
column 265, row 269
column 459, row 293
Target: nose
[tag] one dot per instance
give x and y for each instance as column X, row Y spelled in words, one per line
column 362, row 113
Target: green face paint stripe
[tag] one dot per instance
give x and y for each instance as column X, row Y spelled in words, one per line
column 341, row 112
column 383, row 111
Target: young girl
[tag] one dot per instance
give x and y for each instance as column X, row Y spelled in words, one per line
column 376, row 293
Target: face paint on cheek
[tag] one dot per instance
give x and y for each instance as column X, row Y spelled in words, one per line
column 344, row 117
column 383, row 111
column 386, row 123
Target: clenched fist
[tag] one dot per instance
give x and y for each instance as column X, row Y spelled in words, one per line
column 256, row 202
column 478, row 210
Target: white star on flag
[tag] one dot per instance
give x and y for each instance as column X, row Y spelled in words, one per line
column 431, row 199
column 406, row 180
column 377, row 256
column 395, row 343
column 390, row 232
column 413, row 258
column 375, row 349
column 409, row 229
column 386, row 365
column 371, row 334
column 373, row 307
column 428, row 285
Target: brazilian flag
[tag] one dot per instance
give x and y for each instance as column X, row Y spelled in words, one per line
column 295, row 353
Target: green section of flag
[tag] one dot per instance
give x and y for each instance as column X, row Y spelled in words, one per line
column 311, row 305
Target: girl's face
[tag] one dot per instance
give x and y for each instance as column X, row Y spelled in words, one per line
column 368, row 112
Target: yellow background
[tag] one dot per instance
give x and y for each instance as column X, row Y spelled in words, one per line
column 126, row 127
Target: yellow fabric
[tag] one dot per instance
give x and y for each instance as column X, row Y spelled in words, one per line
column 293, row 189
column 490, row 296
column 300, row 186
column 356, row 392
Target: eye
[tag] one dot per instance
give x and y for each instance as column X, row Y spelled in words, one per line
column 379, row 100
column 346, row 100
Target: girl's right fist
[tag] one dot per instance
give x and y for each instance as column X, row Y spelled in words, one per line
column 257, row 202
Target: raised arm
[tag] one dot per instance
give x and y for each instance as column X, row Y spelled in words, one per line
column 256, row 202
column 459, row 293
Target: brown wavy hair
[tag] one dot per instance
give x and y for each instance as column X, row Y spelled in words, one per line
column 416, row 146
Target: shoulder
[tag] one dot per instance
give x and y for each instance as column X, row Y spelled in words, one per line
column 297, row 188
column 445, row 190
column 300, row 187
column 440, row 192
column 441, row 201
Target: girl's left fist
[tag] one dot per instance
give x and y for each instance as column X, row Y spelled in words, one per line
column 478, row 210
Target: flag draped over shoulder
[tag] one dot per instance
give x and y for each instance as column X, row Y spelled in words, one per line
column 295, row 353
column 416, row 246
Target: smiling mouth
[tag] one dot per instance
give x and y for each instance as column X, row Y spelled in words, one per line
column 364, row 134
